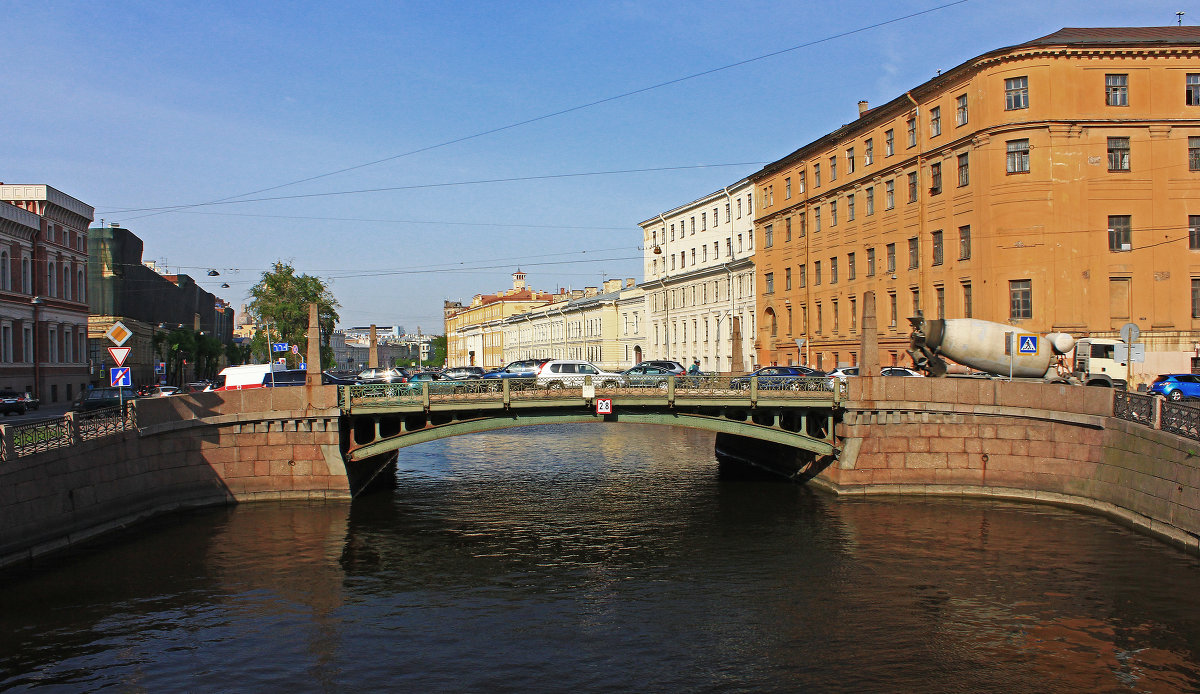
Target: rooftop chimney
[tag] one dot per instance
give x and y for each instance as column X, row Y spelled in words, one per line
column 862, row 108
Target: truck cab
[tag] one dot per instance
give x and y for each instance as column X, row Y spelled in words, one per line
column 1095, row 363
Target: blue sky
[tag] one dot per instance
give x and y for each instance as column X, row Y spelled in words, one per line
column 130, row 106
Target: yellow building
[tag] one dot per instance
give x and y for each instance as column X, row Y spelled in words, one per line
column 1053, row 185
column 475, row 332
column 593, row 324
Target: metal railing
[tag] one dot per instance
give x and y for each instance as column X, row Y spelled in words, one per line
column 558, row 386
column 1176, row 418
column 28, row 438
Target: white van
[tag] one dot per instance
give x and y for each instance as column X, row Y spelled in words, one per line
column 246, row 377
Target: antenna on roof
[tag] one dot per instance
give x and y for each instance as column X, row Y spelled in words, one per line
column 1179, row 17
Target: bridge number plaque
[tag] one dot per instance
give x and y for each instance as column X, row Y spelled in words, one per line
column 604, row 406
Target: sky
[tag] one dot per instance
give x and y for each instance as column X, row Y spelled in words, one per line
column 410, row 153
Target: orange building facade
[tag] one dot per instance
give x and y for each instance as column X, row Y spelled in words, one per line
column 1053, row 186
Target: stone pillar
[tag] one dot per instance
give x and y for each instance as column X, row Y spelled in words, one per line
column 373, row 355
column 868, row 351
column 313, row 375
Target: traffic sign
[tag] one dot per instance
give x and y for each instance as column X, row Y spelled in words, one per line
column 303, row 366
column 120, row 377
column 160, row 368
column 1027, row 344
column 604, row 406
column 1130, row 332
column 120, row 354
column 118, row 334
column 279, row 346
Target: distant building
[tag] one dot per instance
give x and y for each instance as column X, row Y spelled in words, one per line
column 43, row 291
column 121, row 287
column 585, row 326
column 699, row 265
column 354, row 354
column 475, row 333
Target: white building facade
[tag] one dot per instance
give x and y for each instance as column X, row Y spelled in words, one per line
column 699, row 288
column 586, row 325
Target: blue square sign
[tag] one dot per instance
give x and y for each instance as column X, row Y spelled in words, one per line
column 120, row 377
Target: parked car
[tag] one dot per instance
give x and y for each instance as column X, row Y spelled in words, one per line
column 12, row 402
column 99, row 398
column 31, row 403
column 778, row 378
column 673, row 367
column 646, row 375
column 843, row 371
column 899, row 371
column 463, row 373
column 570, row 373
column 330, row 378
column 158, row 392
column 197, row 387
column 384, row 375
column 525, row 368
column 1176, row 386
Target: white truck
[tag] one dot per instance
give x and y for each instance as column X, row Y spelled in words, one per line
column 1002, row 350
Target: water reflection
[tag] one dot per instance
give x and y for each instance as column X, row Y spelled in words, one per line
column 607, row 557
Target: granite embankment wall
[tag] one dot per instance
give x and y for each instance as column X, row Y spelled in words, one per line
column 206, row 449
column 1047, row 443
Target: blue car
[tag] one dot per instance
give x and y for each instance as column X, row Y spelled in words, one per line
column 526, row 368
column 1176, row 386
column 777, row 377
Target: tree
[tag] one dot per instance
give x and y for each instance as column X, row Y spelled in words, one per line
column 279, row 303
column 437, row 351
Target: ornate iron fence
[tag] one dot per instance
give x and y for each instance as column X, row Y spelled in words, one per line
column 1180, row 419
column 48, row 434
column 38, row 437
column 100, row 423
column 1133, row 407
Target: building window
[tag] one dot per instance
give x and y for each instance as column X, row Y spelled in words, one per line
column 960, row 110
column 833, row 271
column 850, row 271
column 704, row 221
column 1120, row 232
column 1116, row 90
column 870, row 262
column 912, row 186
column 1016, row 93
column 803, row 276
column 870, row 201
column 889, row 143
column 817, row 220
column 940, row 299
column 801, row 182
column 911, row 125
column 820, row 321
column 964, row 242
column 914, row 254
column 889, row 195
column 935, row 121
column 937, row 247
column 1020, row 293
column 1118, row 154
column 869, row 152
column 850, row 207
column 787, row 230
column 850, row 161
column 5, row 281
column 964, row 169
column 26, row 274
column 816, row 175
column 787, row 279
column 892, row 304
column 853, row 320
column 1194, row 232
column 966, row 293
column 833, row 212
column 803, row 224
column 935, row 178
column 1018, row 156
column 836, row 326
column 891, row 257
column 1195, row 298
column 769, row 281
column 916, row 301
column 1194, row 153
column 1192, row 95
column 833, row 168
column 817, row 273
column 768, row 236
column 787, row 188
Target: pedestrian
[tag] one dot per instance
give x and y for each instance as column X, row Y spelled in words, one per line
column 695, row 368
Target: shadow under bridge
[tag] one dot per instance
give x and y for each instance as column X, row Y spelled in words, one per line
column 797, row 412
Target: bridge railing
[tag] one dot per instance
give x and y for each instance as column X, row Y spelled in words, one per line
column 698, row 387
column 28, row 438
column 1181, row 419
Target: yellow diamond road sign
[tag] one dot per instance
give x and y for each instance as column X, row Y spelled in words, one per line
column 118, row 334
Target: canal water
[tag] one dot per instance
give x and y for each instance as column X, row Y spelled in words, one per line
column 606, row 558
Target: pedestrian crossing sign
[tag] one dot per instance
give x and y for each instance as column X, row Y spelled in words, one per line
column 1027, row 344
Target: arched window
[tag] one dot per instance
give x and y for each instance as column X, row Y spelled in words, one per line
column 5, row 280
column 80, row 286
column 771, row 321
column 26, row 275
column 66, row 275
column 51, row 278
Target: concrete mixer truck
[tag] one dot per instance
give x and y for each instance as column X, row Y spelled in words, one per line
column 1003, row 350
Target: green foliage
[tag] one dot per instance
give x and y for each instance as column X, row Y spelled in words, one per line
column 279, row 303
column 437, row 351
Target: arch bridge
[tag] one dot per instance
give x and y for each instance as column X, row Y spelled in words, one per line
column 798, row 412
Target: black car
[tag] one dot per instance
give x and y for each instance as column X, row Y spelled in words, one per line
column 12, row 402
column 99, row 398
column 778, row 378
